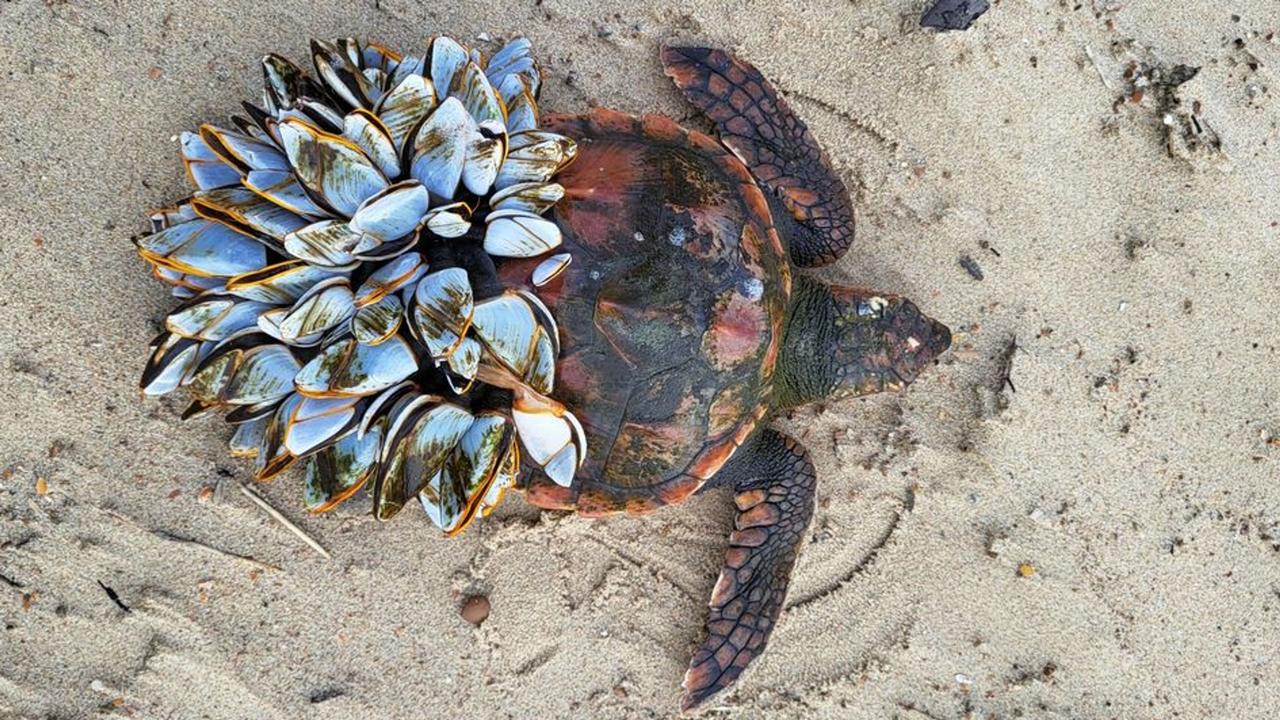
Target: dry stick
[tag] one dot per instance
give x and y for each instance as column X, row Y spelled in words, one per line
column 275, row 514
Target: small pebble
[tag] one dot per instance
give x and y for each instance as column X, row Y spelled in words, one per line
column 475, row 609
column 1026, row 570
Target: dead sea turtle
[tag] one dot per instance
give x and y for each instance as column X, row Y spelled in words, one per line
column 351, row 263
column 684, row 328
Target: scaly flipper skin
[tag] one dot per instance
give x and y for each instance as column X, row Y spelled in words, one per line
column 761, row 129
column 774, row 490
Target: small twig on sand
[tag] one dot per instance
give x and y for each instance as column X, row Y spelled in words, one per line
column 115, row 597
column 275, row 514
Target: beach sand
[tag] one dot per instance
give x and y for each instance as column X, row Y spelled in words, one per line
column 1075, row 514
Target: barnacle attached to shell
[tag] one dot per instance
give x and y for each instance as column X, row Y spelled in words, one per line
column 328, row 262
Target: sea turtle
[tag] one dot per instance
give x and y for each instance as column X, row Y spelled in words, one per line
column 352, row 259
column 684, row 328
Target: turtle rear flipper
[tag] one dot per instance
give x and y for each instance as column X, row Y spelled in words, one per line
column 761, row 129
column 774, row 489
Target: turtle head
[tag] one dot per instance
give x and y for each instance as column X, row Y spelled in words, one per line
column 881, row 342
column 846, row 342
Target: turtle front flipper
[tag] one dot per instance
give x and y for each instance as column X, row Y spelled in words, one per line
column 761, row 129
column 774, row 489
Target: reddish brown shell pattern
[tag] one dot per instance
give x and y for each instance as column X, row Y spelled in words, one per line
column 670, row 315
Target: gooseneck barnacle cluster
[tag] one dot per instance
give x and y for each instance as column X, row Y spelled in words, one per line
column 339, row 296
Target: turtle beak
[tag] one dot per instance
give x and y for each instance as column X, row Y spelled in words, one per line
column 882, row 342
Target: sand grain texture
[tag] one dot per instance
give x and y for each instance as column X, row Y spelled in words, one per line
column 1102, row 543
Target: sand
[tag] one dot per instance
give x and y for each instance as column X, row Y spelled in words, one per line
column 1074, row 515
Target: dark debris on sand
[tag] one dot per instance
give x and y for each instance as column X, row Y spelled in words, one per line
column 953, row 14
